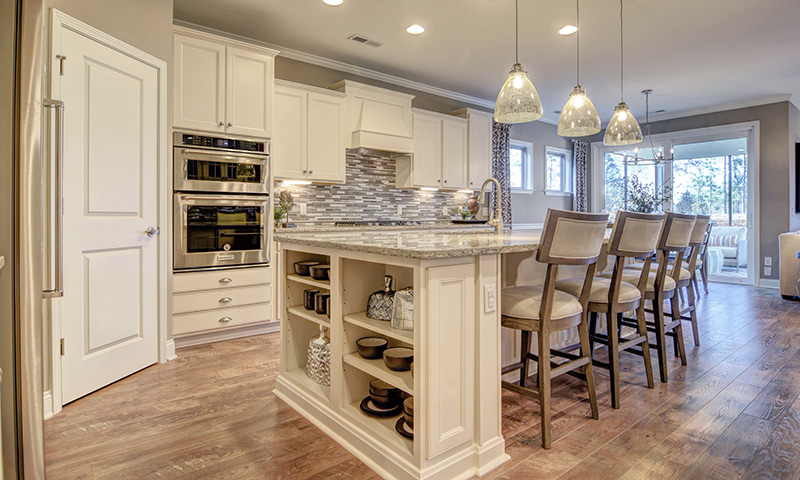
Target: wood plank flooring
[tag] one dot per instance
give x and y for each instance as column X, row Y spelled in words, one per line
column 733, row 412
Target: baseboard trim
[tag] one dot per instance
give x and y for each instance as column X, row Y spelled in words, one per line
column 769, row 283
column 48, row 405
column 231, row 334
column 171, row 355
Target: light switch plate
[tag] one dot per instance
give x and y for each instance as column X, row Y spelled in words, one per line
column 489, row 298
column 768, row 261
column 444, row 210
column 767, row 271
column 303, row 208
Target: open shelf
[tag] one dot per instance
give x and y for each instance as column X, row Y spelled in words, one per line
column 383, row 428
column 310, row 315
column 298, row 375
column 378, row 369
column 379, row 326
column 324, row 284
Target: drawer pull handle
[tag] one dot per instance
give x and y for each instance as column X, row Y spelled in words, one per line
column 225, row 319
column 225, row 280
column 225, row 300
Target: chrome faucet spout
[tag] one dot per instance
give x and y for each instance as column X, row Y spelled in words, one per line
column 496, row 215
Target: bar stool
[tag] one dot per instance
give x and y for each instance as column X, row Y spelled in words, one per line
column 569, row 238
column 661, row 287
column 702, row 263
column 635, row 235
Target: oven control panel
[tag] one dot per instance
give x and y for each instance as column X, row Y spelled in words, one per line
column 191, row 140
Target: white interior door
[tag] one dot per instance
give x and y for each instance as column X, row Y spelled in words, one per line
column 109, row 312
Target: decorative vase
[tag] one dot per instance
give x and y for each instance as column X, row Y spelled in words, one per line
column 473, row 206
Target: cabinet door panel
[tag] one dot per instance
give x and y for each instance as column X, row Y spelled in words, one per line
column 454, row 153
column 249, row 93
column 289, row 134
column 427, row 151
column 326, row 139
column 199, row 101
column 480, row 150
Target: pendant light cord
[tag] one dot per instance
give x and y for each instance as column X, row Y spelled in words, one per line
column 578, row 37
column 516, row 31
column 621, row 53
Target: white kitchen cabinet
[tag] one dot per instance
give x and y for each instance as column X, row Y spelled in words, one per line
column 309, row 142
column 222, row 85
column 440, row 153
column 479, row 165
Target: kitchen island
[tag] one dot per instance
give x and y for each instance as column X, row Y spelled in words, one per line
column 456, row 277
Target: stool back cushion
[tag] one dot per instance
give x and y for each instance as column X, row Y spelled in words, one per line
column 572, row 238
column 699, row 230
column 677, row 232
column 635, row 234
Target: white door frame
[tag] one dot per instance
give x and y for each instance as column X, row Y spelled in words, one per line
column 166, row 348
column 752, row 131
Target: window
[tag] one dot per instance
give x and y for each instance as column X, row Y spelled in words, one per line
column 630, row 186
column 558, row 175
column 520, row 163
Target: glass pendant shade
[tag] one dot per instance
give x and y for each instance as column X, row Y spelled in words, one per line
column 578, row 118
column 623, row 129
column 518, row 101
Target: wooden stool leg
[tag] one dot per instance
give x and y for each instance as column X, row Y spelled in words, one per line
column 680, row 294
column 693, row 314
column 648, row 366
column 704, row 276
column 592, row 330
column 587, row 370
column 544, row 385
column 525, row 348
column 613, row 356
column 658, row 317
column 675, row 310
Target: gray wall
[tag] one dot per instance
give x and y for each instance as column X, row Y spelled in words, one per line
column 532, row 208
column 794, row 137
column 7, row 396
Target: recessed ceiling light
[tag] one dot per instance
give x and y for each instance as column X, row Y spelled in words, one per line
column 568, row 30
column 333, row 2
column 415, row 29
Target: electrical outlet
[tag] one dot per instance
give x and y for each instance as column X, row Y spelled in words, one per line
column 767, row 271
column 767, row 261
column 303, row 209
column 489, row 298
column 399, row 209
column 445, row 210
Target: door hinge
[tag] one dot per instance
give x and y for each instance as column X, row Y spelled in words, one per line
column 62, row 347
column 61, row 59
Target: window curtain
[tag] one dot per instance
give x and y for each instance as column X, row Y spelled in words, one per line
column 580, row 152
column 500, row 168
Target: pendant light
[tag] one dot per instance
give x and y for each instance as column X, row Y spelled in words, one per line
column 518, row 101
column 578, row 118
column 622, row 129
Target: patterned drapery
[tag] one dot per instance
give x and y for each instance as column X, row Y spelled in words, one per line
column 580, row 152
column 500, row 167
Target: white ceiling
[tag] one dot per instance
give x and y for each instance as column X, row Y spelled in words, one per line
column 694, row 54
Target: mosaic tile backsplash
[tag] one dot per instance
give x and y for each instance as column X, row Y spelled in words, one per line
column 369, row 194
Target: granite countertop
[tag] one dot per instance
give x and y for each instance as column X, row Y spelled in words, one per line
column 419, row 244
column 330, row 227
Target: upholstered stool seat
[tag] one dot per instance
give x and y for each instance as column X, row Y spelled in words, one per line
column 600, row 288
column 685, row 274
column 522, row 304
column 632, row 276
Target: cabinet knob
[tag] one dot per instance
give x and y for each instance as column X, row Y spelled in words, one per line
column 221, row 124
column 305, row 171
column 230, row 124
column 225, row 319
column 445, row 181
column 225, row 280
column 310, row 172
column 225, row 300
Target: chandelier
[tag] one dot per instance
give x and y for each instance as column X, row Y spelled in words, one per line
column 656, row 158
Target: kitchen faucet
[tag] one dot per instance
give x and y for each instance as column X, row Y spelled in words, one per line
column 496, row 216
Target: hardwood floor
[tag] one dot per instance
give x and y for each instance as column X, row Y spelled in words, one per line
column 733, row 412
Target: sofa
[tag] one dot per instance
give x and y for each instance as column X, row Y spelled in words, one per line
column 789, row 245
column 732, row 242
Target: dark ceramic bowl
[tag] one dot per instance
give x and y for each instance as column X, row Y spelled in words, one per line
column 320, row 272
column 382, row 401
column 408, row 406
column 308, row 298
column 379, row 387
column 328, row 310
column 409, row 419
column 371, row 347
column 321, row 303
column 302, row 268
column 398, row 358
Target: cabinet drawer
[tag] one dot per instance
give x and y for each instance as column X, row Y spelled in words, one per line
column 193, row 281
column 213, row 319
column 220, row 298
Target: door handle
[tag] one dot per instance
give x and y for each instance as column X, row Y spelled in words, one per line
column 58, row 290
column 152, row 231
column 225, row 319
column 225, row 280
column 225, row 300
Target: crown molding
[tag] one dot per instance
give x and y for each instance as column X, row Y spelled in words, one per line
column 755, row 102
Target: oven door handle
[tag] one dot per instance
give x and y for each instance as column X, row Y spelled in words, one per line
column 235, row 234
column 225, row 155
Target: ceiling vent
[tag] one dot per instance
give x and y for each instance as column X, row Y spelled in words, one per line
column 366, row 41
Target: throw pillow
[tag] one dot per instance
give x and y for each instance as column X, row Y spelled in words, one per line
column 723, row 241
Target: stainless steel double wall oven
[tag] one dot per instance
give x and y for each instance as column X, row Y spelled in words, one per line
column 221, row 207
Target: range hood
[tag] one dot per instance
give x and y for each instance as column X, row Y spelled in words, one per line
column 377, row 118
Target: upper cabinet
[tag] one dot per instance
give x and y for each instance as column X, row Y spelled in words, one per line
column 440, row 153
column 309, row 142
column 480, row 145
column 222, row 85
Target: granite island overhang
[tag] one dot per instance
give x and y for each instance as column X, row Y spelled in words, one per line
column 456, row 277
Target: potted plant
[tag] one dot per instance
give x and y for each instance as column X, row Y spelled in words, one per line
column 644, row 198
